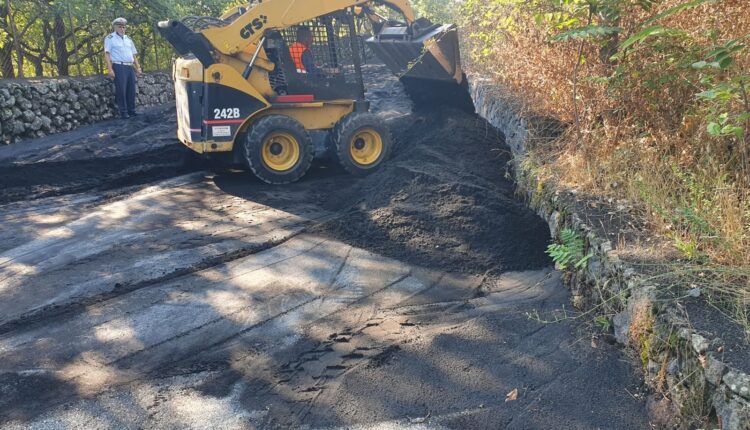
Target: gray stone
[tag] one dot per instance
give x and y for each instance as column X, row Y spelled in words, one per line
column 735, row 416
column 6, row 114
column 673, row 368
column 46, row 123
column 700, row 344
column 594, row 268
column 6, row 99
column 36, row 124
column 714, row 370
column 738, row 383
column 653, row 368
column 89, row 104
column 17, row 127
column 28, row 116
column 621, row 323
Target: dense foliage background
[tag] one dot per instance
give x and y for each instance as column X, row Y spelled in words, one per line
column 652, row 96
column 655, row 91
column 65, row 37
column 57, row 38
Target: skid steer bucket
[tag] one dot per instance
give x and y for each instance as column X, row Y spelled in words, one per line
column 432, row 55
column 427, row 61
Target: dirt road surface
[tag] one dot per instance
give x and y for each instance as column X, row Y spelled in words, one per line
column 137, row 294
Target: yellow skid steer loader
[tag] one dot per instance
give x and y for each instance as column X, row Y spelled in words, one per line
column 252, row 84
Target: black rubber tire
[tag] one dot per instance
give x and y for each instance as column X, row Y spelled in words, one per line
column 345, row 130
column 254, row 147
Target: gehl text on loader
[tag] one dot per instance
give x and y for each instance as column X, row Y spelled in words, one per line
column 252, row 85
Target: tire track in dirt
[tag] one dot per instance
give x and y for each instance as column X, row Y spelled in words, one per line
column 48, row 314
column 404, row 299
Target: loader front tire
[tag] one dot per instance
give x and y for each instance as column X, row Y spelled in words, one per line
column 362, row 143
column 278, row 149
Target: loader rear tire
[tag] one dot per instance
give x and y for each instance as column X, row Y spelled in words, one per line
column 278, row 149
column 362, row 143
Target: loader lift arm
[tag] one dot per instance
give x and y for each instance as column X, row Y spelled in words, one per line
column 248, row 28
column 401, row 46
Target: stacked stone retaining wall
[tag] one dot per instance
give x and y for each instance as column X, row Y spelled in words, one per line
column 682, row 366
column 38, row 107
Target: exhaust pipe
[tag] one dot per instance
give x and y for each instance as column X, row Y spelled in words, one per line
column 185, row 41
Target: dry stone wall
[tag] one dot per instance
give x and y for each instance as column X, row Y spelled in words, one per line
column 38, row 107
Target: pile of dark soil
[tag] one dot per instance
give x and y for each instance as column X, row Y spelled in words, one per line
column 101, row 156
column 46, row 179
column 442, row 200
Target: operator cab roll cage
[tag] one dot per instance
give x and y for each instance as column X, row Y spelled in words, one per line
column 335, row 44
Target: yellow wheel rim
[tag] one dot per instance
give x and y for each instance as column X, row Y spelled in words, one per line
column 280, row 151
column 366, row 146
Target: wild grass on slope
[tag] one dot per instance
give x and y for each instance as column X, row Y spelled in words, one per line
column 655, row 96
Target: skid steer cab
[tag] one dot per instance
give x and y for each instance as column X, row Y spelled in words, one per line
column 256, row 103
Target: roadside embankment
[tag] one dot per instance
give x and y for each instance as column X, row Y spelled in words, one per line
column 38, row 107
column 691, row 371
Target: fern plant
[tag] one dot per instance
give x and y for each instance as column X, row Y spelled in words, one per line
column 570, row 251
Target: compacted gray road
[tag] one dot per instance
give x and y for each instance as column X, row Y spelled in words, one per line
column 135, row 293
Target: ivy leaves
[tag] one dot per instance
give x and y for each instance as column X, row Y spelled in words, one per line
column 723, row 89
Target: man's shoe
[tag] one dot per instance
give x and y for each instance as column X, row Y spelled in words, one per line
column 124, row 116
column 133, row 114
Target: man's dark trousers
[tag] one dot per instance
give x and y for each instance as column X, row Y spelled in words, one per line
column 124, row 88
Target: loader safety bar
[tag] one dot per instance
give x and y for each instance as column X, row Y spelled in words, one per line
column 186, row 41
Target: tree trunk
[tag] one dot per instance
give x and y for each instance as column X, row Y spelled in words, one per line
column 7, row 65
column 61, row 50
column 38, row 66
column 6, row 62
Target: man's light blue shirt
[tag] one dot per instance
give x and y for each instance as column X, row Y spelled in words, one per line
column 121, row 48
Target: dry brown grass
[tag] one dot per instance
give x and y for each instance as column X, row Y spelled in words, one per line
column 631, row 140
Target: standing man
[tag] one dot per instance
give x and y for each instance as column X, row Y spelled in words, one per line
column 122, row 64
